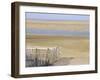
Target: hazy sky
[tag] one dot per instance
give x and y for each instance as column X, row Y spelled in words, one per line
column 52, row 16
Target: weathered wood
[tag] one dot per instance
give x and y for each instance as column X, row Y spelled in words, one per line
column 42, row 56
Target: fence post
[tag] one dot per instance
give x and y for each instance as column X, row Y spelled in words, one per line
column 47, row 57
column 36, row 57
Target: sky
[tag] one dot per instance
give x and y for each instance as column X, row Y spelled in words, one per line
column 53, row 16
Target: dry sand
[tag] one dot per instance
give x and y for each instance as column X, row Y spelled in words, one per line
column 73, row 50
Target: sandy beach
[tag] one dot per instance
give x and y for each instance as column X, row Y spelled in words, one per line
column 73, row 50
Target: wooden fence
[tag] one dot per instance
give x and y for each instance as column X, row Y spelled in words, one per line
column 41, row 56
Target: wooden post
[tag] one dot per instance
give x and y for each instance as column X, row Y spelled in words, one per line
column 36, row 57
column 47, row 56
